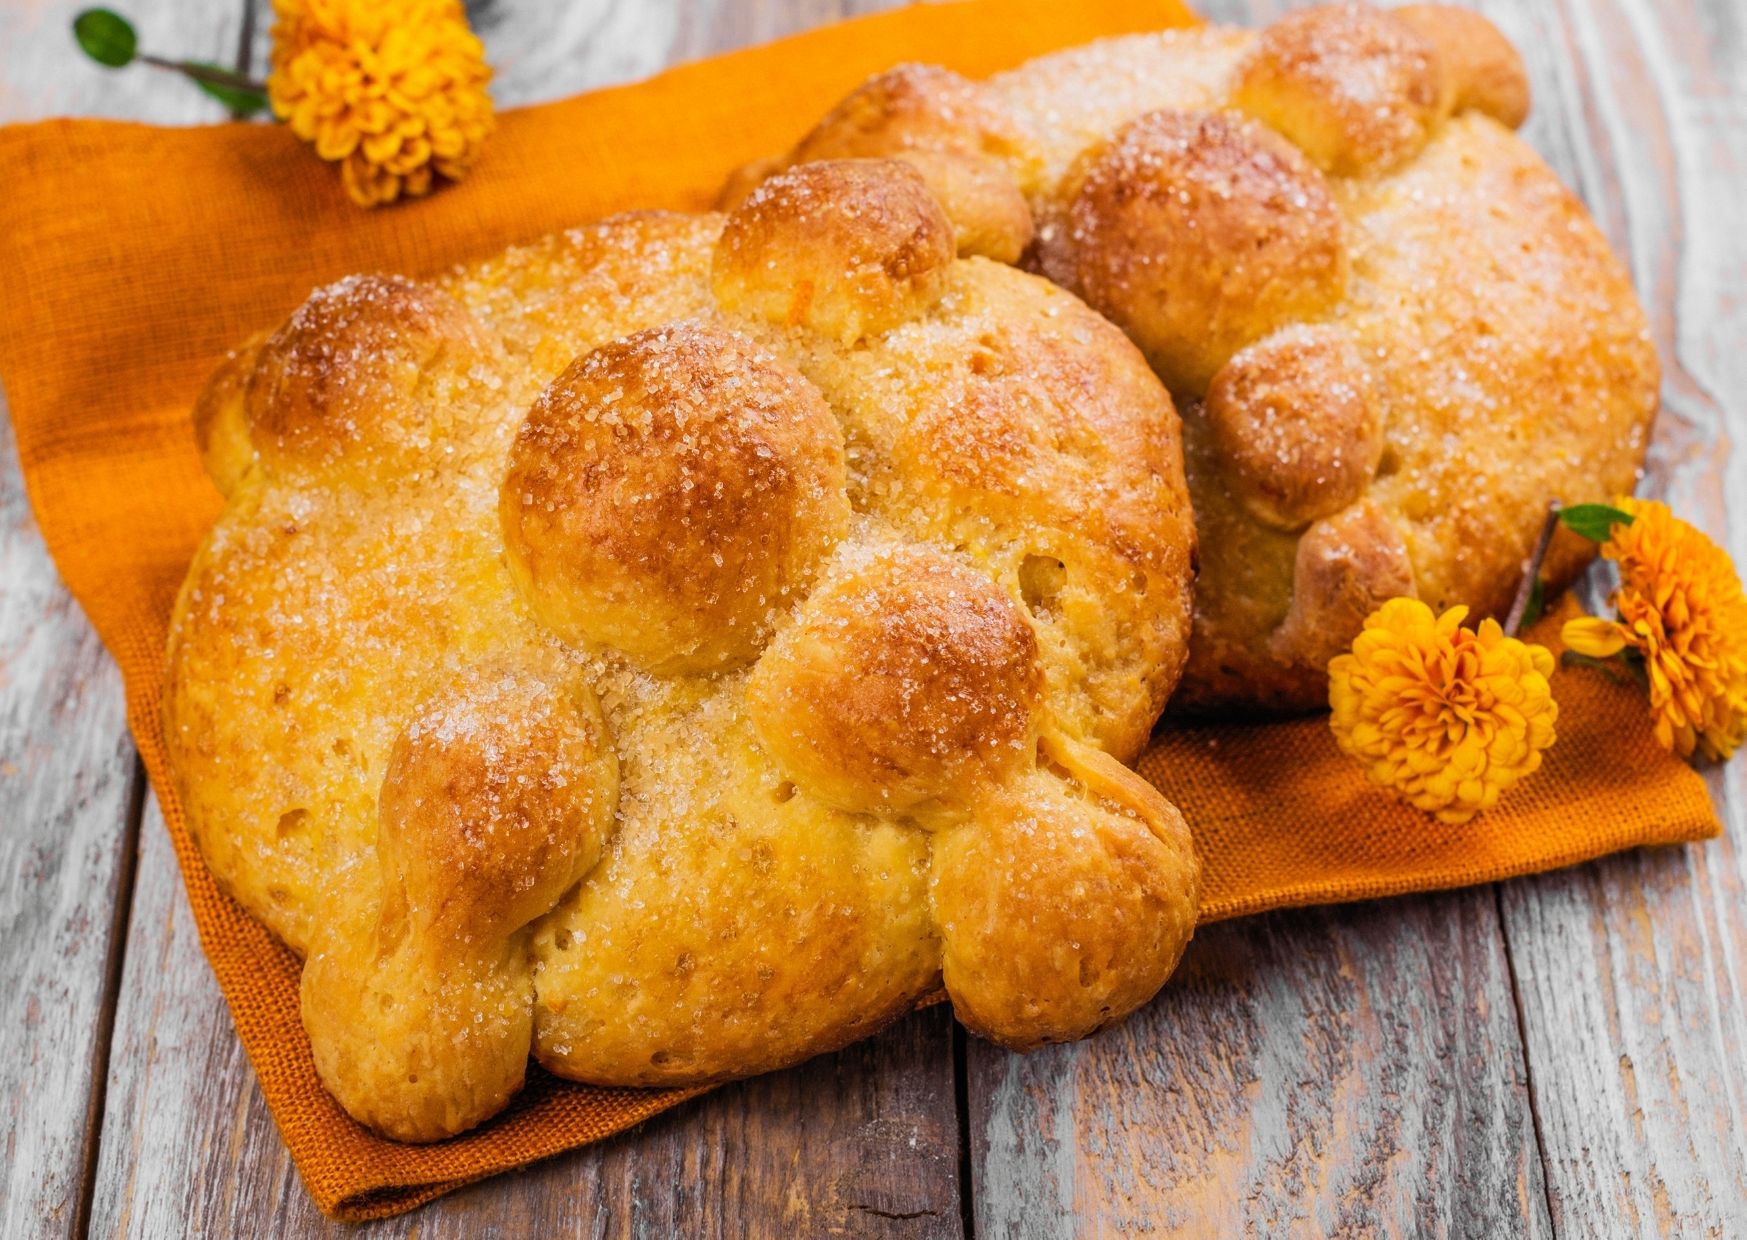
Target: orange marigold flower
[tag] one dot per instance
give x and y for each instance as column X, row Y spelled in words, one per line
column 391, row 90
column 1444, row 716
column 1681, row 609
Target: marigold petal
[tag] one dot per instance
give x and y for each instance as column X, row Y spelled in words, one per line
column 335, row 140
column 448, row 143
column 1444, row 716
column 394, row 90
column 1681, row 605
column 1593, row 636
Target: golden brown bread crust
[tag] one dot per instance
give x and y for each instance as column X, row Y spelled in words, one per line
column 936, row 121
column 1295, row 423
column 1480, row 70
column 498, row 795
column 1254, row 238
column 590, row 656
column 629, row 467
column 1355, row 89
column 1394, row 335
column 858, row 256
column 906, row 684
column 1011, row 874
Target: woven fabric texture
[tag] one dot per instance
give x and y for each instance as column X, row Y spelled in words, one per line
column 134, row 257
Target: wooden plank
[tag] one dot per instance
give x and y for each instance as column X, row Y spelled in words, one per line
column 865, row 1142
column 1631, row 981
column 174, row 1056
column 539, row 54
column 1347, row 1071
column 69, row 781
column 1632, row 971
column 1283, row 1013
column 861, row 1143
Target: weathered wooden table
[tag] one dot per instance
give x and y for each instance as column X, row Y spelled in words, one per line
column 1560, row 1055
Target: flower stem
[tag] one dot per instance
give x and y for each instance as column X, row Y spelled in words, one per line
column 207, row 74
column 1525, row 591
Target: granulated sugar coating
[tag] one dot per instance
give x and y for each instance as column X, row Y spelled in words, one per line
column 1395, row 336
column 673, row 648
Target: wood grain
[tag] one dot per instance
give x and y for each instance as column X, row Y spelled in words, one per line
column 1556, row 1056
column 864, row 1143
column 540, row 50
column 1328, row 1072
column 69, row 781
column 1631, row 970
column 1354, row 1071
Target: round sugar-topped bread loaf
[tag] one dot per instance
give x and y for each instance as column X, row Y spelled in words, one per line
column 676, row 647
column 1395, row 337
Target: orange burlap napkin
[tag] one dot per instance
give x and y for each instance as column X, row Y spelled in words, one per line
column 133, row 257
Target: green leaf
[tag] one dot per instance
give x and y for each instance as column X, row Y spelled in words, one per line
column 241, row 101
column 105, row 37
column 1593, row 521
column 1537, row 603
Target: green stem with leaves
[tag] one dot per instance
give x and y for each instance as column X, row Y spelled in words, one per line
column 207, row 75
column 109, row 39
column 1592, row 521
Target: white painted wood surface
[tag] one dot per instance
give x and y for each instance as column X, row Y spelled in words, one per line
column 1553, row 1056
column 66, row 782
column 181, row 1100
column 1632, row 971
column 1322, row 1072
column 69, row 780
